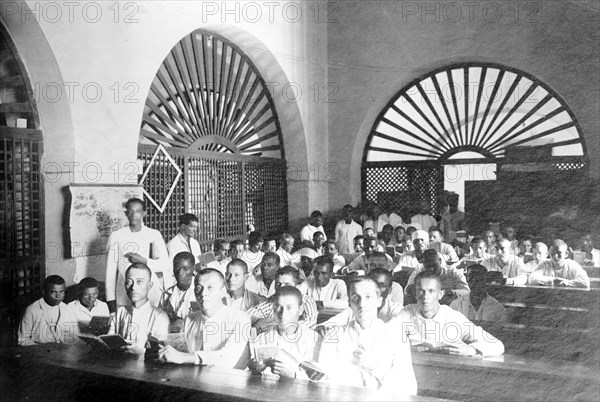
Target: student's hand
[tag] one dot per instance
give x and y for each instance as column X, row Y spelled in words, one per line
column 256, row 366
column 284, row 369
column 364, row 359
column 169, row 354
column 559, row 282
column 135, row 257
column 460, row 349
column 133, row 349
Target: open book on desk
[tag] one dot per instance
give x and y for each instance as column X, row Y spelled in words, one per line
column 97, row 326
column 110, row 342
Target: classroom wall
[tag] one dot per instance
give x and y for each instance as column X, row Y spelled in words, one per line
column 104, row 55
column 377, row 47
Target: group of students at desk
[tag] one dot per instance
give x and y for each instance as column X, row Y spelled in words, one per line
column 265, row 319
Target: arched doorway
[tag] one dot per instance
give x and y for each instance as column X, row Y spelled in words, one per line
column 21, row 192
column 211, row 111
column 471, row 114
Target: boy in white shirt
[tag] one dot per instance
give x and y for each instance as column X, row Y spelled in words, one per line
column 49, row 320
column 298, row 342
column 254, row 254
column 327, row 292
column 560, row 271
column 366, row 352
column 221, row 253
column 330, row 249
column 285, row 251
column 87, row 304
column 176, row 300
column 238, row 297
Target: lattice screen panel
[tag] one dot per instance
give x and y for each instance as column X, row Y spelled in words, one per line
column 570, row 166
column 403, row 186
column 20, row 215
column 157, row 183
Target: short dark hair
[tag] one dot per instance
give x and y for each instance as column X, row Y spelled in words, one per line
column 358, row 237
column 329, row 241
column 135, row 201
column 375, row 272
column 289, row 270
column 273, row 255
column 476, row 240
column 435, row 229
column 476, row 269
column 182, row 256
column 288, row 291
column 317, row 233
column 316, row 214
column 255, row 237
column 428, row 275
column 53, row 280
column 186, row 219
column 378, row 254
column 387, row 225
column 139, row 265
column 218, row 244
column 324, row 260
column 369, row 238
column 236, row 242
column 358, row 279
column 87, row 283
column 239, row 263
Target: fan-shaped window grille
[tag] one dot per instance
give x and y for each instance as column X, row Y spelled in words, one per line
column 465, row 113
column 21, row 195
column 486, row 110
column 210, row 108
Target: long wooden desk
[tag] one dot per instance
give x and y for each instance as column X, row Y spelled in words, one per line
column 73, row 372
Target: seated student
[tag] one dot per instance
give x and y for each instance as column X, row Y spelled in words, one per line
column 560, row 271
column 285, row 251
column 300, row 342
column 389, row 309
column 526, row 249
column 461, row 244
column 238, row 297
column 262, row 314
column 361, row 263
column 454, row 283
column 318, row 240
column 592, row 255
column 263, row 283
column 387, row 236
column 315, row 224
column 410, row 230
column 377, row 221
column 185, row 238
column 477, row 255
column 236, row 248
column 510, row 233
column 490, row 241
column 327, row 292
column 48, row 319
column 437, row 243
column 506, row 262
column 87, row 304
column 359, row 243
column 176, row 300
column 137, row 321
column 399, row 233
column 330, row 249
column 414, row 259
column 254, row 254
column 379, row 260
column 407, row 244
column 478, row 305
column 540, row 254
column 428, row 322
column 217, row 335
column 367, row 352
column 270, row 244
column 221, row 253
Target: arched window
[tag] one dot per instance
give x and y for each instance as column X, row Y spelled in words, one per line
column 210, row 110
column 21, row 196
column 467, row 113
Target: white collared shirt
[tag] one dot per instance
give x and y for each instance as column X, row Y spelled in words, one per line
column 307, row 232
column 136, row 324
column 220, row 266
column 345, row 234
column 178, row 244
column 513, row 269
column 43, row 323
column 255, row 284
column 220, row 340
column 573, row 273
column 179, row 300
column 84, row 316
column 490, row 310
column 383, row 343
column 333, row 295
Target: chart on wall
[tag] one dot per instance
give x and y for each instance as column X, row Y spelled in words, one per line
column 97, row 211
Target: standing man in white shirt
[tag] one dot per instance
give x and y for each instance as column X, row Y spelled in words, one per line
column 315, row 224
column 185, row 239
column 139, row 319
column 135, row 243
column 327, row 292
column 423, row 219
column 346, row 230
column 377, row 220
